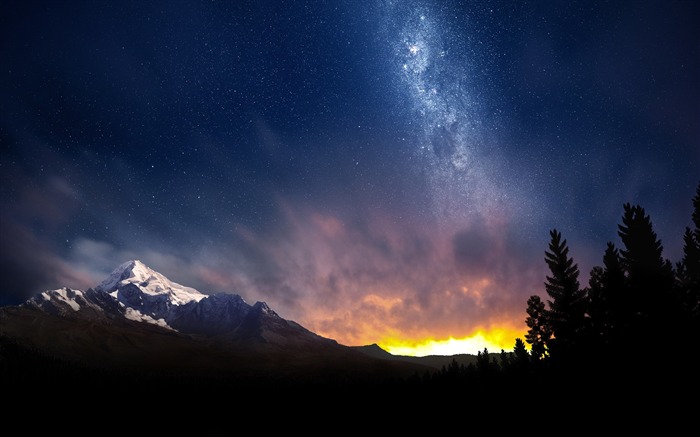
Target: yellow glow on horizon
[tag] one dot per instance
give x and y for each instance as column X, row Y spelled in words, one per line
column 494, row 340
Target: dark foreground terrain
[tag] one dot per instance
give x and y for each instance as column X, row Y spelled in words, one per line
column 325, row 394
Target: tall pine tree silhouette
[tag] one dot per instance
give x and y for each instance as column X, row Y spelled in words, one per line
column 567, row 303
column 608, row 299
column 649, row 276
column 539, row 332
column 521, row 358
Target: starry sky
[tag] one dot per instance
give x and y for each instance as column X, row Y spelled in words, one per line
column 379, row 171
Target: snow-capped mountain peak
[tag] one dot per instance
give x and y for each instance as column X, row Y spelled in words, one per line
column 135, row 293
column 149, row 282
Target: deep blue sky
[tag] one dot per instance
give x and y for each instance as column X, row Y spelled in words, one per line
column 368, row 168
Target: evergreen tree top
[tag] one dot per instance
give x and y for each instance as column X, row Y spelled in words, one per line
column 643, row 250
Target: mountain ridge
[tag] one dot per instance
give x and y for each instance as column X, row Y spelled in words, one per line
column 432, row 361
column 136, row 292
column 137, row 320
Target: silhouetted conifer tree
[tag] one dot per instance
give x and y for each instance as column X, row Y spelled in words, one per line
column 484, row 364
column 521, row 358
column 608, row 298
column 539, row 332
column 505, row 360
column 649, row 276
column 568, row 303
column 520, row 351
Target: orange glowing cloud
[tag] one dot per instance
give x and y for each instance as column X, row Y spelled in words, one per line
column 412, row 288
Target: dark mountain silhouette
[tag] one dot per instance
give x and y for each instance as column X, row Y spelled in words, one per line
column 432, row 361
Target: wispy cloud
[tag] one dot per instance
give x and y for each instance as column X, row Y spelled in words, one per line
column 355, row 277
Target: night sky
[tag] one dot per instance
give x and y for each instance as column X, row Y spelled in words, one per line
column 379, row 171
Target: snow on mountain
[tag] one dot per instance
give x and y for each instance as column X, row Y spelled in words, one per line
column 135, row 315
column 64, row 295
column 147, row 296
column 135, row 292
column 148, row 282
column 65, row 301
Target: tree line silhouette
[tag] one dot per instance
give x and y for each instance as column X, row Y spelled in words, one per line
column 635, row 301
column 636, row 312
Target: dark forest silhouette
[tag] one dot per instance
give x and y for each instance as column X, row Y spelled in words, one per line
column 635, row 301
column 637, row 312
